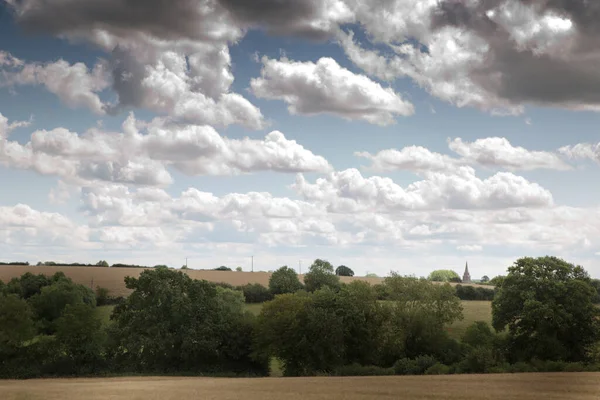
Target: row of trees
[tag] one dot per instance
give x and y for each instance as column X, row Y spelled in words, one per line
column 543, row 318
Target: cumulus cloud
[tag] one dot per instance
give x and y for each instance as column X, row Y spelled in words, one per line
column 498, row 152
column 411, row 158
column 348, row 192
column 582, row 151
column 74, row 84
column 325, row 87
column 492, row 152
column 495, row 55
column 140, row 158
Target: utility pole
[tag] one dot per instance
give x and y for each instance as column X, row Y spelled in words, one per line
column 252, row 263
column 186, row 262
column 300, row 266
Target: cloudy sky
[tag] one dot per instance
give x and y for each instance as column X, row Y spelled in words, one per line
column 404, row 135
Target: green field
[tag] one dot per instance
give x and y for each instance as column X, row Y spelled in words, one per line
column 473, row 311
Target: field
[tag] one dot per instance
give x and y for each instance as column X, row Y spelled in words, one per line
column 112, row 278
column 550, row 386
column 472, row 311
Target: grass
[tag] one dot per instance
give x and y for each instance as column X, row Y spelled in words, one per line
column 551, row 386
column 472, row 311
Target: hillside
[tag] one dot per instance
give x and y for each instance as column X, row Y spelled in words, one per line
column 113, row 278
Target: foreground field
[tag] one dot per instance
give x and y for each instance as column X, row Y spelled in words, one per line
column 112, row 278
column 577, row 386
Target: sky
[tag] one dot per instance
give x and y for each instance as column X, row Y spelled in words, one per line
column 394, row 135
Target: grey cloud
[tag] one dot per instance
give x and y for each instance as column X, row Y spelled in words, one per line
column 167, row 19
column 567, row 77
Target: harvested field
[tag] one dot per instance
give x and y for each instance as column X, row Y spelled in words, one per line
column 550, row 386
column 112, row 278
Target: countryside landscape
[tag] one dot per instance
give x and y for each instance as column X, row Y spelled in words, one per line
column 299, row 199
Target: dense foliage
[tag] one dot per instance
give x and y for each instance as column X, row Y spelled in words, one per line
column 443, row 275
column 342, row 270
column 284, row 280
column 547, row 306
column 543, row 317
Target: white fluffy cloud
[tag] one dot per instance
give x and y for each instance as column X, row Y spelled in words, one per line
column 492, row 152
column 325, row 87
column 135, row 158
column 411, row 158
column 498, row 152
column 74, row 84
column 348, row 192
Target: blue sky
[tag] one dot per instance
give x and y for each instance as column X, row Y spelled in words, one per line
column 221, row 134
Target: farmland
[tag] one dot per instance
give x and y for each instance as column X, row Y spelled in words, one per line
column 580, row 386
column 112, row 278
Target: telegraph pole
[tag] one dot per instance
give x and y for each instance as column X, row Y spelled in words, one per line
column 300, row 266
column 186, row 262
column 252, row 263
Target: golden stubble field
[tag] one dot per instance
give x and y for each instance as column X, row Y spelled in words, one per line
column 549, row 386
column 112, row 278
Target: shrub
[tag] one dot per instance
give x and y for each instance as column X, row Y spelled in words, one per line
column 363, row 370
column 222, row 268
column 521, row 367
column 417, row 366
column 256, row 293
column 574, row 367
column 438, row 369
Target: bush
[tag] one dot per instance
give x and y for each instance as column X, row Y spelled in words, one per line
column 574, row 367
column 521, row 367
column 417, row 366
column 438, row 369
column 363, row 370
column 222, row 268
column 256, row 293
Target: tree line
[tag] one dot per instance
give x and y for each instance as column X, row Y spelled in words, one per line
column 544, row 319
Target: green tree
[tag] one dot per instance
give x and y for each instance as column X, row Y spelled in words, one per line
column 171, row 322
column 102, row 263
column 547, row 305
column 222, row 268
column 28, row 284
column 485, row 279
column 52, row 300
column 239, row 269
column 420, row 310
column 284, row 280
column 16, row 322
column 256, row 293
column 80, row 337
column 342, row 270
column 479, row 333
column 371, row 275
column 320, row 275
column 443, row 275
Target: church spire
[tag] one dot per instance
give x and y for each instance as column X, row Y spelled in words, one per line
column 466, row 276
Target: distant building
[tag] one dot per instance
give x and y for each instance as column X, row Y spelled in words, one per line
column 466, row 276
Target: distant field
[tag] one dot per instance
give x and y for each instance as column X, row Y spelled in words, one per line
column 549, row 386
column 112, row 278
column 473, row 311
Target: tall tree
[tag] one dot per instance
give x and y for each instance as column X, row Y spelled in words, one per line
column 284, row 280
column 319, row 275
column 547, row 305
